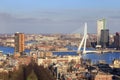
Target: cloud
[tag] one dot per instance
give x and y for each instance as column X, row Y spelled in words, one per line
column 115, row 17
column 58, row 21
column 10, row 23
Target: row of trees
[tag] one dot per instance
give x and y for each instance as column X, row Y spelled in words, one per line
column 30, row 72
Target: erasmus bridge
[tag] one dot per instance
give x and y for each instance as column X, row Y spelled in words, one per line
column 83, row 43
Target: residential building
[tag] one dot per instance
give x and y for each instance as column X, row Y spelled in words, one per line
column 100, row 26
column 19, row 43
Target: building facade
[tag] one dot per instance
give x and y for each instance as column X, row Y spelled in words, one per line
column 100, row 26
column 104, row 40
column 117, row 41
column 19, row 43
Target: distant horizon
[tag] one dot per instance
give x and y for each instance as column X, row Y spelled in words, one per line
column 49, row 33
column 58, row 16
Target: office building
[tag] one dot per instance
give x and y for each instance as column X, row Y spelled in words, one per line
column 117, row 41
column 19, row 43
column 104, row 40
column 100, row 26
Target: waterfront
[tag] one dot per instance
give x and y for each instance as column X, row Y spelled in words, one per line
column 9, row 50
column 107, row 57
column 94, row 57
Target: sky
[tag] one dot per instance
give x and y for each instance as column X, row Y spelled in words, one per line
column 58, row 16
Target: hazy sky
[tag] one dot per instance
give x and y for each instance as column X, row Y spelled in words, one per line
column 57, row 16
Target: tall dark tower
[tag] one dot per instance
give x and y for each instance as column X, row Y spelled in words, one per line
column 117, row 41
column 104, row 40
column 19, row 43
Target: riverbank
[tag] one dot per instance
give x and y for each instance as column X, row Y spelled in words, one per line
column 9, row 50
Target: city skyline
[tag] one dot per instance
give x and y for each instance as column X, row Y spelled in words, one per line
column 57, row 16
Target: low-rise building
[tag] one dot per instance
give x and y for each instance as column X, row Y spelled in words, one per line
column 104, row 77
column 116, row 63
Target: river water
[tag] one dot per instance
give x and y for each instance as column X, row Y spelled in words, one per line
column 95, row 57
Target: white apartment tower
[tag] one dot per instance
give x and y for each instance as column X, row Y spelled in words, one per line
column 100, row 26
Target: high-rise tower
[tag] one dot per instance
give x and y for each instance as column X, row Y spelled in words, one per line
column 19, row 43
column 100, row 26
column 104, row 41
